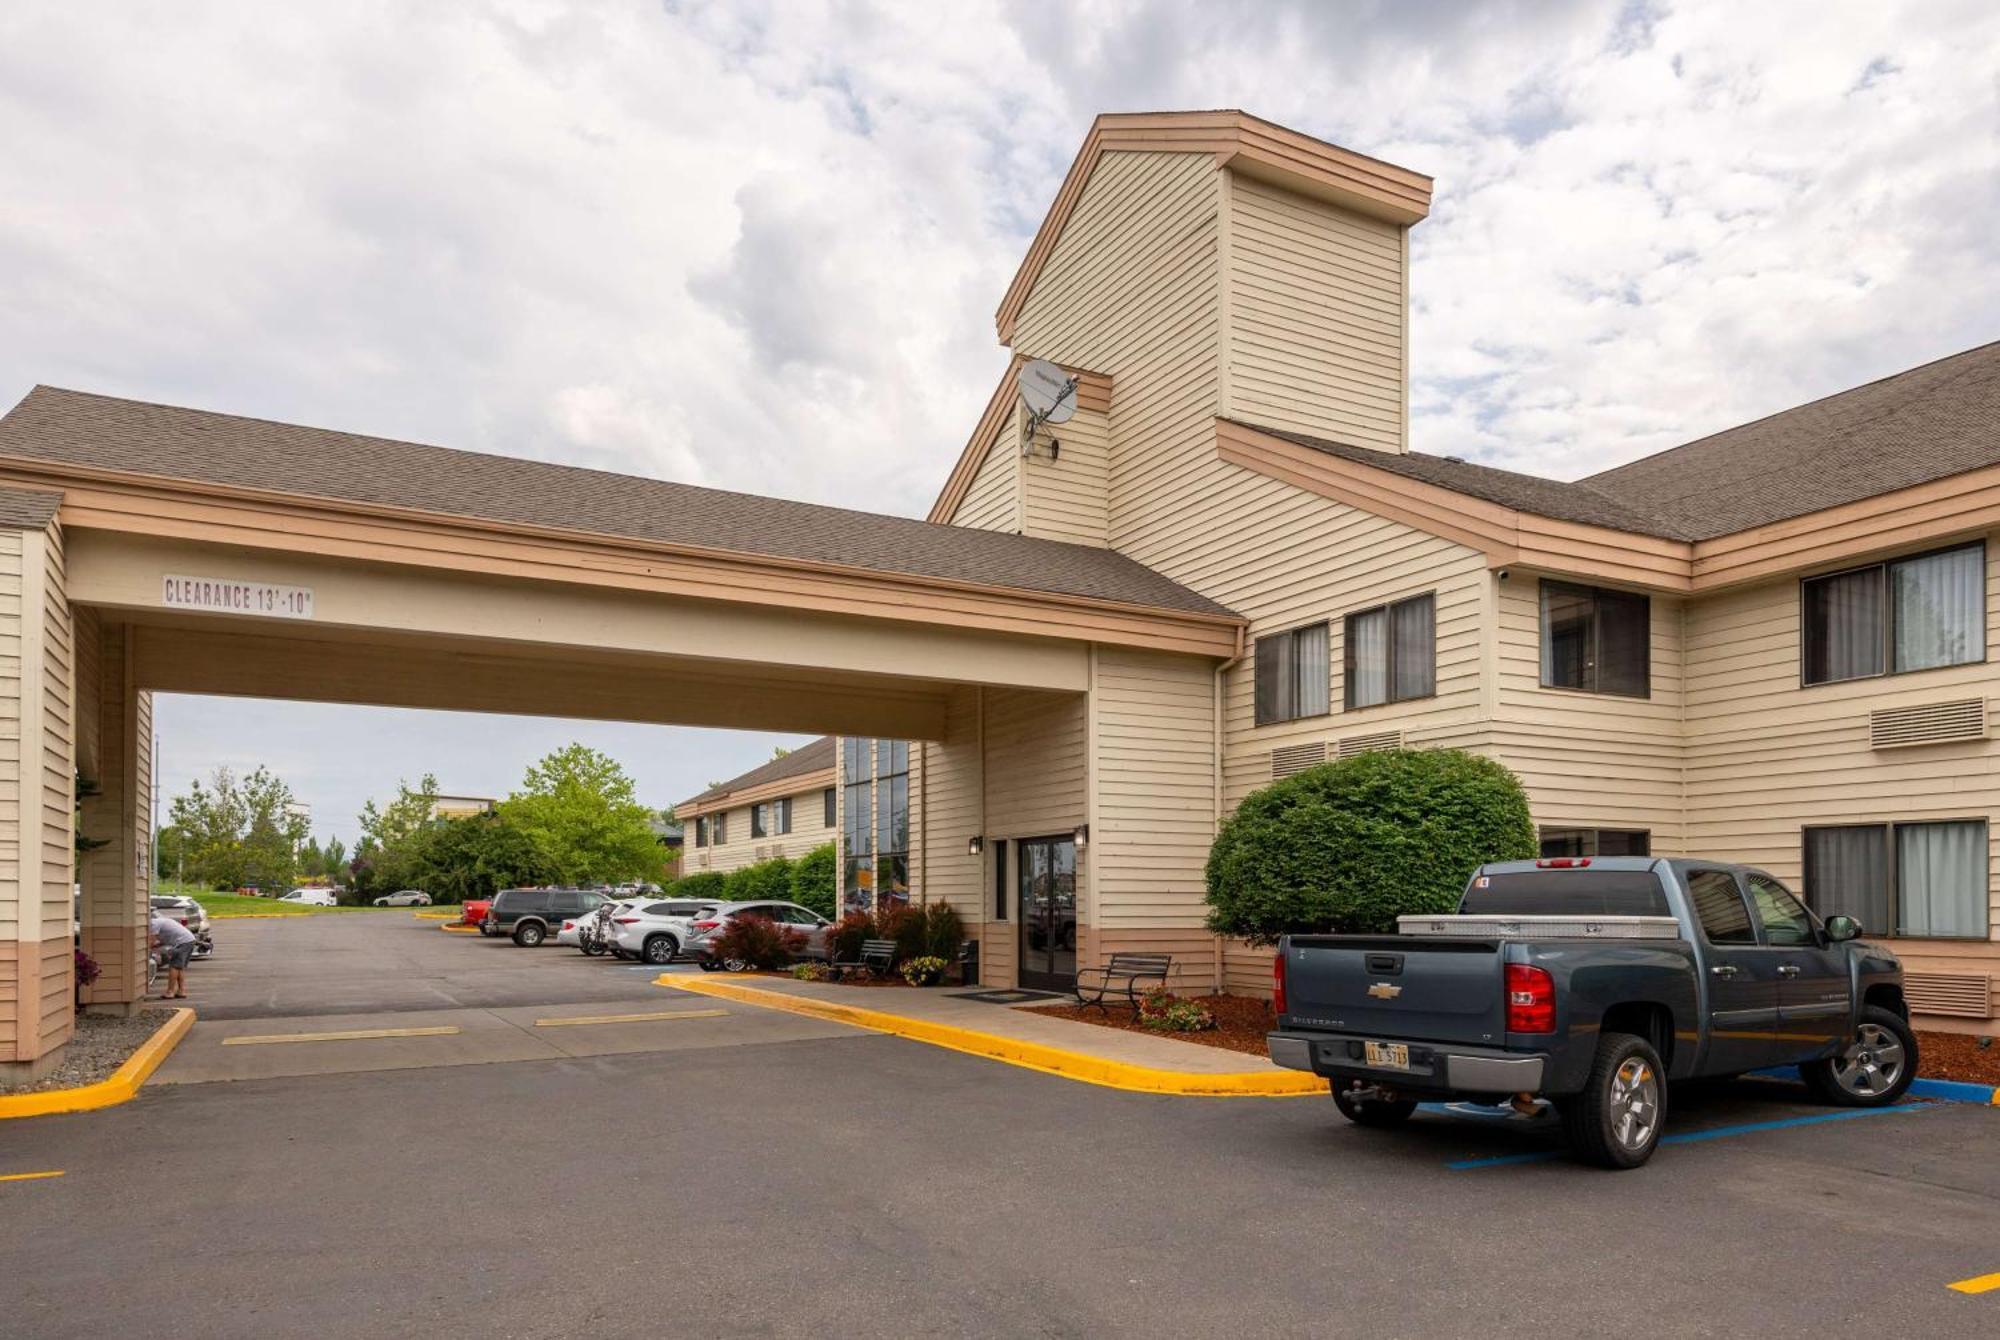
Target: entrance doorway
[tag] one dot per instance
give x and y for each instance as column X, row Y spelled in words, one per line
column 1048, row 912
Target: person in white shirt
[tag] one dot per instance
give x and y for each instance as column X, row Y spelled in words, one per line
column 176, row 945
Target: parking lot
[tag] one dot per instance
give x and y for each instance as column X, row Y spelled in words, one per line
column 751, row 1173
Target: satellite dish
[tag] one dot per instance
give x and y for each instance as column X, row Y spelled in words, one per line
column 1047, row 391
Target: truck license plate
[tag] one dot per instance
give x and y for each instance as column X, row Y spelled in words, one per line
column 1388, row 1055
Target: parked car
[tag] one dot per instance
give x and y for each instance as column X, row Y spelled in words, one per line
column 474, row 913
column 531, row 915
column 312, row 897
column 788, row 915
column 586, row 931
column 656, row 931
column 190, row 914
column 404, row 898
column 1592, row 982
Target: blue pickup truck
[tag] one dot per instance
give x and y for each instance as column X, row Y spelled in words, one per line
column 1591, row 983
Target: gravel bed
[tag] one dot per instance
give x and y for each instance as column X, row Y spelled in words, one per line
column 102, row 1044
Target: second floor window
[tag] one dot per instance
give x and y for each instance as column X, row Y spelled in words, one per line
column 1914, row 613
column 718, row 832
column 760, row 821
column 827, row 802
column 1293, row 676
column 1391, row 652
column 1596, row 640
column 701, row 832
column 781, row 816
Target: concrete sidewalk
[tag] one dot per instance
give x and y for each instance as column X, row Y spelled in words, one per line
column 1018, row 1034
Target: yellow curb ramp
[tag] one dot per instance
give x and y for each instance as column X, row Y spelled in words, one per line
column 1049, row 1060
column 121, row 1086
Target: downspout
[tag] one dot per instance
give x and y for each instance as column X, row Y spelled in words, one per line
column 1242, row 650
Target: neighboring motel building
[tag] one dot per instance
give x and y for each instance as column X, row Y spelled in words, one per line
column 1773, row 644
column 784, row 808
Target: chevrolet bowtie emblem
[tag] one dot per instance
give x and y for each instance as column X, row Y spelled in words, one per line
column 1385, row 991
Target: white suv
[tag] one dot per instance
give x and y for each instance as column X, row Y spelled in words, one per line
column 656, row 932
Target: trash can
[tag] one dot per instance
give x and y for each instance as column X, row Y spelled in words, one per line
column 968, row 963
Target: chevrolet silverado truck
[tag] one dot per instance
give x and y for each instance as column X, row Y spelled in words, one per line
column 1592, row 982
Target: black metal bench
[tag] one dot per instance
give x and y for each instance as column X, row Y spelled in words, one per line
column 1124, row 973
column 877, row 958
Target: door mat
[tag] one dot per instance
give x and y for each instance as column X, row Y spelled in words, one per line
column 1006, row 997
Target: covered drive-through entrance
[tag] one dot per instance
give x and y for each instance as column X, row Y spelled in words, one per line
column 1061, row 696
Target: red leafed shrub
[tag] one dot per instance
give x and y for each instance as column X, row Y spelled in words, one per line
column 757, row 942
column 86, row 969
column 843, row 940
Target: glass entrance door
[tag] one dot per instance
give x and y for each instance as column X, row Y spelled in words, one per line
column 1048, row 912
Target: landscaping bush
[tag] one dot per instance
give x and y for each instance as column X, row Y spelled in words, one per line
column 1163, row 1012
column 1352, row 845
column 766, row 881
column 843, row 939
column 907, row 926
column 924, row 970
column 86, row 972
column 810, row 971
column 703, row 884
column 813, row 881
column 944, row 932
column 758, row 942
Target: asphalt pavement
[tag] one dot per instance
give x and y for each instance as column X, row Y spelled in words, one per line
column 861, row 1184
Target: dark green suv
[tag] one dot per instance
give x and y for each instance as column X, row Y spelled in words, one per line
column 531, row 915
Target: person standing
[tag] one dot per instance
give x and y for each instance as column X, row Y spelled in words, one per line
column 176, row 945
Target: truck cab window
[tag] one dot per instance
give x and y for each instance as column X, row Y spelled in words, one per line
column 1785, row 921
column 1724, row 918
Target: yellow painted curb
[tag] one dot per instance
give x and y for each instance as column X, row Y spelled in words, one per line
column 1977, row 1284
column 255, row 916
column 121, row 1086
column 457, row 929
column 421, row 915
column 1029, row 1055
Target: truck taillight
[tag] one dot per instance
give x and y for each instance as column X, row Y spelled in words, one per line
column 1563, row 863
column 1278, row 982
column 1531, row 999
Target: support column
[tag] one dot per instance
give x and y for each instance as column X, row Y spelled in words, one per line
column 37, row 787
column 114, row 755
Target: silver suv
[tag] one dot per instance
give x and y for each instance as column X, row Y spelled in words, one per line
column 788, row 916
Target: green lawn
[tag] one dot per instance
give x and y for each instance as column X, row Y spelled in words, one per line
column 237, row 905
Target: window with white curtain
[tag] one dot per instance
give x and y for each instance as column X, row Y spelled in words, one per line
column 1294, row 677
column 1391, row 652
column 1919, row 879
column 1914, row 613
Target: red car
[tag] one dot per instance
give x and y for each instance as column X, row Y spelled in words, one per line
column 475, row 913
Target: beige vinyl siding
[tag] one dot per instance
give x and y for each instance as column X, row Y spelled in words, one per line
column 1768, row 757
column 993, row 502
column 945, row 778
column 1315, row 322
column 809, row 830
column 11, row 601
column 1036, row 785
column 1590, row 760
column 1067, row 496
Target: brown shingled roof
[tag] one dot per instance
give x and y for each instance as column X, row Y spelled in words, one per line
column 1928, row 423
column 806, row 759
column 57, row 427
column 27, row 509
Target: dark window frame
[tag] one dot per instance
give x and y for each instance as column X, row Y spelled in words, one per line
column 1894, row 828
column 1592, row 840
column 1000, row 885
column 701, row 831
column 1388, row 612
column 1268, row 714
column 830, row 802
column 760, row 819
column 781, row 816
column 1888, row 632
column 1596, row 662
column 718, row 831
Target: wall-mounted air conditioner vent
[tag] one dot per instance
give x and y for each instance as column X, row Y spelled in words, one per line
column 1968, row 995
column 1296, row 758
column 1368, row 744
column 1927, row 723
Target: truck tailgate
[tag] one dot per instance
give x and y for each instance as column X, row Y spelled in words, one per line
column 1393, row 987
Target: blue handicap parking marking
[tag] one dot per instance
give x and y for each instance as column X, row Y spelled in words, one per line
column 1694, row 1137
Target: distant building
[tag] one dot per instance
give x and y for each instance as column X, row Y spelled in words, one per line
column 461, row 807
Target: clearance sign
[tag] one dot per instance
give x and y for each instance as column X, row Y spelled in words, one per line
column 216, row 595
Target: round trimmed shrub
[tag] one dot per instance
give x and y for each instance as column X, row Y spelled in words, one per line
column 813, row 881
column 770, row 879
column 1350, row 846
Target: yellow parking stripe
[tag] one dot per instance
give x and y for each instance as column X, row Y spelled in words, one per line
column 29, row 1177
column 629, row 1018
column 1977, row 1284
column 353, row 1035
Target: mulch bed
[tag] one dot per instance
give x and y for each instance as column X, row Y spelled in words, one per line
column 100, row 1045
column 1240, row 1022
column 1958, row 1056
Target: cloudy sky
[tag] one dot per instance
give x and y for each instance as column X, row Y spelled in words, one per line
column 759, row 245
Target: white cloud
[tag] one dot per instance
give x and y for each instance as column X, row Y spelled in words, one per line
column 758, row 245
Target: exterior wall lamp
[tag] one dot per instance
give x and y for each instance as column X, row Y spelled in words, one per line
column 975, row 846
column 1082, row 836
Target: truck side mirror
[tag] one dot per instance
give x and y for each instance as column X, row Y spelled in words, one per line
column 1840, row 928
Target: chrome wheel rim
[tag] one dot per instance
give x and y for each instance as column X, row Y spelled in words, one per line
column 1872, row 1063
column 1635, row 1103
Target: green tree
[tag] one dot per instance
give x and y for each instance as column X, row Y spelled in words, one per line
column 813, row 880
column 238, row 832
column 457, row 859
column 1352, row 845
column 170, row 846
column 383, row 857
column 770, row 879
column 581, row 811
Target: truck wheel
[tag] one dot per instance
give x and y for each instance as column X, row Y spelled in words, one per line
column 1874, row 1069
column 528, row 934
column 1377, row 1113
column 1616, row 1121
